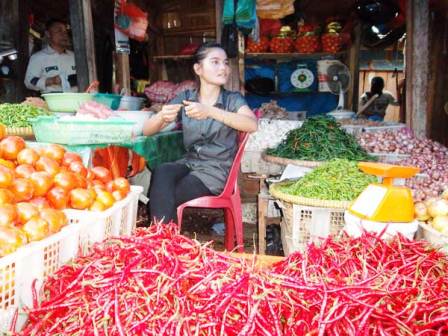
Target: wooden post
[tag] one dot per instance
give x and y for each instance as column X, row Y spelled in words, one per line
column 417, row 65
column 83, row 42
column 14, row 34
column 353, row 59
column 123, row 72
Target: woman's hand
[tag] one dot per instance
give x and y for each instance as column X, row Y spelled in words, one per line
column 196, row 110
column 169, row 113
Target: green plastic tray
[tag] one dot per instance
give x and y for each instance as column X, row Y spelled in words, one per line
column 81, row 132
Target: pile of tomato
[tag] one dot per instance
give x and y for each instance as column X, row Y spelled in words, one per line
column 331, row 42
column 258, row 47
column 37, row 184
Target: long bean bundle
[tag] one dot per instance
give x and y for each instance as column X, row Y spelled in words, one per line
column 320, row 139
column 338, row 180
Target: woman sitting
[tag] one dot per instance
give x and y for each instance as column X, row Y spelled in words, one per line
column 374, row 103
column 211, row 118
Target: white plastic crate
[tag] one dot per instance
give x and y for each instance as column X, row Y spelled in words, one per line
column 388, row 126
column 252, row 162
column 32, row 263
column 120, row 219
column 304, row 224
column 355, row 226
column 434, row 237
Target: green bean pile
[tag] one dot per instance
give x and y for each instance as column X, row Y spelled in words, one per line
column 19, row 115
column 320, row 139
column 337, row 180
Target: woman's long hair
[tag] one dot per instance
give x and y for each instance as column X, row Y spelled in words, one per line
column 376, row 87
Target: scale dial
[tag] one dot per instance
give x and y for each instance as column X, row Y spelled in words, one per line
column 302, row 78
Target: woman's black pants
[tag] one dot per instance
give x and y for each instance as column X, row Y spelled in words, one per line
column 171, row 185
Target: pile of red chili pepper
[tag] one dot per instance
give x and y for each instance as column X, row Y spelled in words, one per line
column 159, row 282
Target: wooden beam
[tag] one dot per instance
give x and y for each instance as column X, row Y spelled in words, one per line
column 14, row 34
column 83, row 42
column 417, row 65
column 353, row 65
column 123, row 72
column 218, row 20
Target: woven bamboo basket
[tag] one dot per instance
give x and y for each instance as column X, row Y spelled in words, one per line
column 285, row 161
column 307, row 220
column 24, row 132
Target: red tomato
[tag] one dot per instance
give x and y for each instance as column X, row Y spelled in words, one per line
column 110, row 186
column 70, row 157
column 48, row 165
column 36, row 229
column 78, row 168
column 25, row 170
column 11, row 146
column 7, row 163
column 81, row 182
column 81, row 198
column 97, row 206
column 54, row 152
column 105, row 198
column 58, row 198
column 102, row 174
column 27, row 156
column 8, row 214
column 40, row 202
column 121, row 184
column 65, row 180
column 118, row 195
column 11, row 239
column 6, row 177
column 42, row 182
column 23, row 189
column 26, row 211
column 90, row 175
column 56, row 219
column 6, row 196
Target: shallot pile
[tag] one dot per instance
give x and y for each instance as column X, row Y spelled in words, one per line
column 272, row 110
column 430, row 156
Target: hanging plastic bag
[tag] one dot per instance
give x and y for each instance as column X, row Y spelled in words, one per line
column 274, row 9
column 132, row 21
column 229, row 37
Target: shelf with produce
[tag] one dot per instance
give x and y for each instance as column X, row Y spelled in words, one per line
column 275, row 56
column 173, row 57
column 207, row 31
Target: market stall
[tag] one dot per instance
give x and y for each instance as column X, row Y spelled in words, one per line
column 360, row 207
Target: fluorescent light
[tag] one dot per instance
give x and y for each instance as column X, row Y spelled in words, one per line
column 375, row 29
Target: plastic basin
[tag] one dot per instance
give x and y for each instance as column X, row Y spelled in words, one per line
column 109, row 99
column 130, row 103
column 139, row 117
column 67, row 101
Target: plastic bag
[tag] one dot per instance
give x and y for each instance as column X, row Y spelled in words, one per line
column 274, row 9
column 132, row 21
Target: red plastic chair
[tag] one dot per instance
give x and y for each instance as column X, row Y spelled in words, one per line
column 229, row 200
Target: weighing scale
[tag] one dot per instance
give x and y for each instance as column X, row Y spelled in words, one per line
column 383, row 205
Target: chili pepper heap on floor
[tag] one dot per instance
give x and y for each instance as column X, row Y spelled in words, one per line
column 159, row 282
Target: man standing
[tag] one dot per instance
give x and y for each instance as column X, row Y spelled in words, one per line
column 53, row 68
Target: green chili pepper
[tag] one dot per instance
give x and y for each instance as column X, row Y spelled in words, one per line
column 19, row 115
column 320, row 139
column 338, row 180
